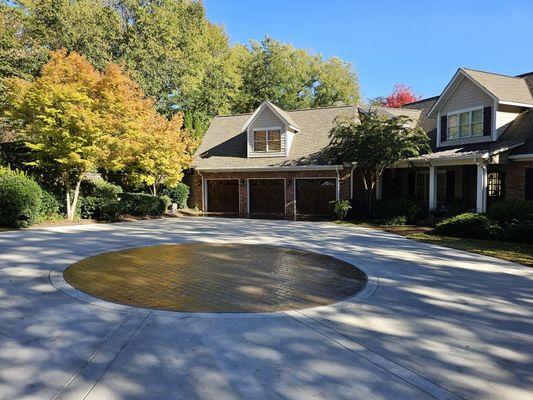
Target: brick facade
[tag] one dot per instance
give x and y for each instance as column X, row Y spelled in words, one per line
column 515, row 180
column 289, row 176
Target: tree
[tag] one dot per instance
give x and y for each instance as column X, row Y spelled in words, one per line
column 293, row 78
column 57, row 116
column 76, row 120
column 401, row 95
column 373, row 143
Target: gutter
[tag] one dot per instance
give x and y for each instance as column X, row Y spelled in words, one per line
column 267, row 169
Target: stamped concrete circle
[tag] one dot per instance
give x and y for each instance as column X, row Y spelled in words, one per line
column 201, row 277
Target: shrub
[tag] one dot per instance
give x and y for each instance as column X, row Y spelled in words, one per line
column 101, row 188
column 167, row 200
column 141, row 204
column 469, row 225
column 101, row 201
column 507, row 212
column 394, row 221
column 519, row 232
column 179, row 194
column 20, row 199
column 389, row 209
column 341, row 208
column 49, row 206
column 457, row 206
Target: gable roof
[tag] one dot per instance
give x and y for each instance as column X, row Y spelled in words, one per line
column 505, row 89
column 224, row 144
column 276, row 110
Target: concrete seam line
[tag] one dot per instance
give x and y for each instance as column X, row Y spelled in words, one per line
column 403, row 373
column 103, row 342
column 132, row 334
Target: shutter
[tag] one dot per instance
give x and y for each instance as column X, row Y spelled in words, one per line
column 443, row 128
column 529, row 184
column 411, row 185
column 487, row 121
column 450, row 185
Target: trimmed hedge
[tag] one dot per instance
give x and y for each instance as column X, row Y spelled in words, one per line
column 469, row 225
column 20, row 199
column 49, row 206
column 508, row 212
column 178, row 194
column 101, row 201
column 141, row 204
column 398, row 210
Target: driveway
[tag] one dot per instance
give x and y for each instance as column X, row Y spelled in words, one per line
column 432, row 323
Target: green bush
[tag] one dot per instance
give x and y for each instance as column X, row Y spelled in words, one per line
column 507, row 212
column 49, row 206
column 179, row 194
column 394, row 221
column 457, row 206
column 469, row 225
column 100, row 188
column 341, row 208
column 387, row 209
column 20, row 199
column 519, row 232
column 101, row 201
column 141, row 204
column 167, row 200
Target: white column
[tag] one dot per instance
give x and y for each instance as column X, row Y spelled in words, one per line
column 379, row 188
column 432, row 187
column 481, row 188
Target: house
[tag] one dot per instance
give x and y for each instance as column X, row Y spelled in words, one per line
column 270, row 162
column 481, row 130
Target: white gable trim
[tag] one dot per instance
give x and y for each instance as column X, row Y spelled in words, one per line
column 452, row 85
column 276, row 113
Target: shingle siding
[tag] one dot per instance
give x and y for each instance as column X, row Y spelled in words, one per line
column 466, row 95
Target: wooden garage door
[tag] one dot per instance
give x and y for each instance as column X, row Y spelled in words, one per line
column 313, row 196
column 267, row 196
column 223, row 196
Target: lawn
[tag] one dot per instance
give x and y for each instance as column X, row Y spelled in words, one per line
column 516, row 252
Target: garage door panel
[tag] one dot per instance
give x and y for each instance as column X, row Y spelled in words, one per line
column 223, row 196
column 267, row 196
column 314, row 196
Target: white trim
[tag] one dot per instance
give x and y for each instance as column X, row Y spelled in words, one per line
column 268, row 169
column 268, row 153
column 223, row 179
column 264, row 179
column 512, row 103
column 469, row 110
column 259, row 109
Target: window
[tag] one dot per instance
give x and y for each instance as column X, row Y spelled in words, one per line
column 465, row 124
column 495, row 185
column 422, row 186
column 267, row 140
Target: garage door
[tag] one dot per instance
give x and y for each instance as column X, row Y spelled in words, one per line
column 313, row 196
column 267, row 196
column 223, row 196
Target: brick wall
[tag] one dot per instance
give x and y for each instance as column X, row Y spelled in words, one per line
column 289, row 176
column 515, row 180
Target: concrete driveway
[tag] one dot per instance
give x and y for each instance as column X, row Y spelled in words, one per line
column 433, row 323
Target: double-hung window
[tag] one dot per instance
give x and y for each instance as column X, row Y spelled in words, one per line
column 267, row 141
column 465, row 124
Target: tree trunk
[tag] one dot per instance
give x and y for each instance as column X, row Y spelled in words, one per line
column 71, row 206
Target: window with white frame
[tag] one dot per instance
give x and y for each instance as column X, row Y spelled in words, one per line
column 465, row 124
column 267, row 140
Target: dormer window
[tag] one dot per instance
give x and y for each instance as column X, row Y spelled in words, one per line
column 267, row 140
column 465, row 124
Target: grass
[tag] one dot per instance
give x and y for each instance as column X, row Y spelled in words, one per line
column 516, row 252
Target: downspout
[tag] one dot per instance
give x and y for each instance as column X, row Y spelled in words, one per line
column 351, row 180
column 338, row 185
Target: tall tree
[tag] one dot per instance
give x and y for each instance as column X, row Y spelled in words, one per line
column 373, row 143
column 401, row 95
column 293, row 78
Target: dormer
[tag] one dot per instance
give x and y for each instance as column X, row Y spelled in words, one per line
column 478, row 106
column 269, row 131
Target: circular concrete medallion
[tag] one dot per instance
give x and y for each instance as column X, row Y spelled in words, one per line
column 199, row 277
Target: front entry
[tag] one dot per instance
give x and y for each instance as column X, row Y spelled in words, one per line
column 223, row 196
column 313, row 196
column 267, row 196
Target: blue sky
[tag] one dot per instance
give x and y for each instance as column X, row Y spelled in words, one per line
column 419, row 43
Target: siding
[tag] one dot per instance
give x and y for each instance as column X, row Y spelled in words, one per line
column 505, row 115
column 267, row 119
column 466, row 95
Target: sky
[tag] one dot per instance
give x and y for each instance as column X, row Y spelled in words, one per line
column 418, row 43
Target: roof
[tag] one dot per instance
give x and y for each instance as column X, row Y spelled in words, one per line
column 224, row 143
column 278, row 111
column 505, row 89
